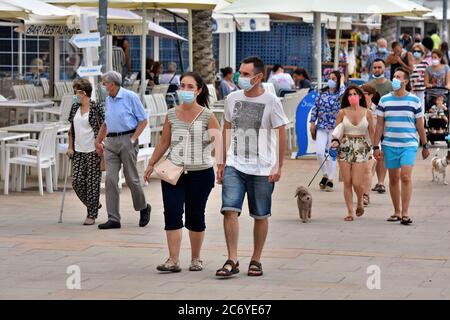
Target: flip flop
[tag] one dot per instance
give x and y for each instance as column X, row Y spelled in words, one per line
column 349, row 218
column 406, row 220
column 394, row 218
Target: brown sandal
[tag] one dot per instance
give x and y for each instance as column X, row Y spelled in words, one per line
column 359, row 212
column 366, row 199
column 255, row 269
column 224, row 272
column 348, row 218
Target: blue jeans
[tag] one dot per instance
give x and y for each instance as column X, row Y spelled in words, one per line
column 258, row 188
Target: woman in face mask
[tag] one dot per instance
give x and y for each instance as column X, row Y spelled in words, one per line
column 438, row 74
column 324, row 113
column 191, row 128
column 418, row 74
column 86, row 117
column 353, row 133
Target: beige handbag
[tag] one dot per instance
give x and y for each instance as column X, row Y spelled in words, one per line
column 167, row 170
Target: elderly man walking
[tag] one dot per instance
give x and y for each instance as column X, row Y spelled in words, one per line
column 125, row 119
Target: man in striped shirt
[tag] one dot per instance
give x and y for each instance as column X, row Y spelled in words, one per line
column 399, row 118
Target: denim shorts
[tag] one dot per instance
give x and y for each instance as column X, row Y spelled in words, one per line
column 395, row 158
column 258, row 188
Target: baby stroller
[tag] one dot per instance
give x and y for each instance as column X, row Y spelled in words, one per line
column 436, row 124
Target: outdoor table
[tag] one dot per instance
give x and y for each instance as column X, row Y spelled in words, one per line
column 29, row 105
column 5, row 137
column 35, row 128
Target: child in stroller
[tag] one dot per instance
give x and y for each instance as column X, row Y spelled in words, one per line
column 436, row 112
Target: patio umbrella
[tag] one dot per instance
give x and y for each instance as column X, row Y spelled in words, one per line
column 140, row 4
column 21, row 9
column 386, row 7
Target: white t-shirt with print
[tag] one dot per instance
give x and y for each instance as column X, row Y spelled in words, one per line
column 253, row 148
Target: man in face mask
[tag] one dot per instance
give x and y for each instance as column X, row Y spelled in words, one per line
column 381, row 53
column 382, row 84
column 400, row 143
column 254, row 145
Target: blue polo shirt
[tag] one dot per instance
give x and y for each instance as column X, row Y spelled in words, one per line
column 124, row 111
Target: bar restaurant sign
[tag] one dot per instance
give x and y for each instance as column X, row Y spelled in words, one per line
column 115, row 29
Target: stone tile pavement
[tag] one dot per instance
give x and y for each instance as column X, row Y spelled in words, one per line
column 325, row 259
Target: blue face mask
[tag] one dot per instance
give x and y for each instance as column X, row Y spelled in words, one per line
column 331, row 84
column 104, row 91
column 245, row 83
column 75, row 99
column 396, row 84
column 417, row 55
column 382, row 50
column 186, row 96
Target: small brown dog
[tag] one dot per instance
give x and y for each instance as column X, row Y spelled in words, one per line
column 304, row 203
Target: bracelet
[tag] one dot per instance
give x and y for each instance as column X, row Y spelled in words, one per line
column 376, row 148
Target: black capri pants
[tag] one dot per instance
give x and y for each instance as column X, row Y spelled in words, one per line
column 188, row 196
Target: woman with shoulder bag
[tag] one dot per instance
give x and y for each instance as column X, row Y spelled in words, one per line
column 324, row 113
column 86, row 118
column 188, row 170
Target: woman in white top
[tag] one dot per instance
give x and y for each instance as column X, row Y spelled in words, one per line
column 86, row 117
column 190, row 194
column 353, row 133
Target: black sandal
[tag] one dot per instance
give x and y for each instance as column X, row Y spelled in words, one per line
column 255, row 269
column 394, row 218
column 381, row 189
column 406, row 221
column 224, row 272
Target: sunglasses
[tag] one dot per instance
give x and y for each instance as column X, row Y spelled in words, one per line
column 418, row 51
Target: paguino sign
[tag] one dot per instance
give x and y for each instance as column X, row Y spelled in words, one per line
column 115, row 29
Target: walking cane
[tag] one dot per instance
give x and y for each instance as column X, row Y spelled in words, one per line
column 66, row 173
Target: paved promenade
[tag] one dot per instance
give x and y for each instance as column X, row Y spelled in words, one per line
column 325, row 259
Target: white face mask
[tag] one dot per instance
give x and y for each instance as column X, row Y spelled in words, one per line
column 435, row 62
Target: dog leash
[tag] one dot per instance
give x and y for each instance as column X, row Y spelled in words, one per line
column 325, row 160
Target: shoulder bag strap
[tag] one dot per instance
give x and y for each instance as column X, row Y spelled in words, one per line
column 188, row 138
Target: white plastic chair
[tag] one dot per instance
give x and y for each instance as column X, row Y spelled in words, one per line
column 62, row 112
column 44, row 159
column 269, row 87
column 45, row 86
column 145, row 149
column 290, row 104
column 212, row 94
column 19, row 92
column 157, row 111
column 160, row 88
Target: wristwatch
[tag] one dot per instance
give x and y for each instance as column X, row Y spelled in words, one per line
column 375, row 148
column 425, row 145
